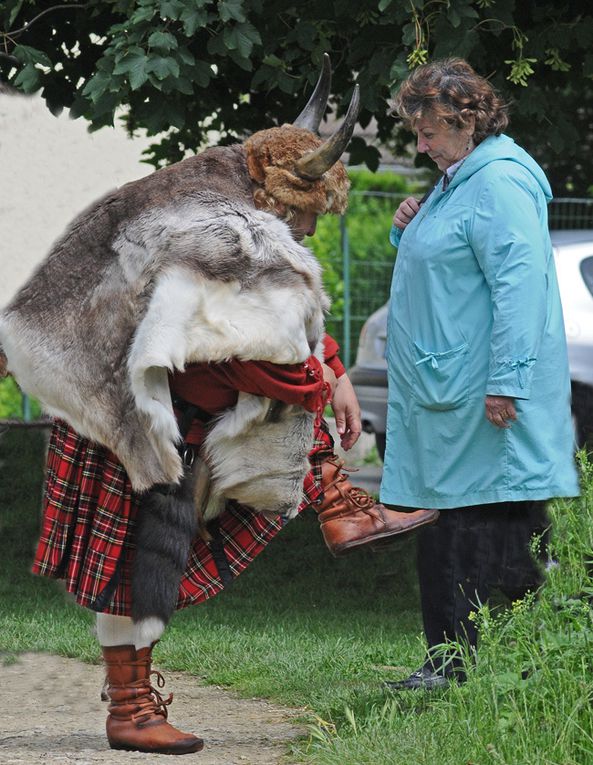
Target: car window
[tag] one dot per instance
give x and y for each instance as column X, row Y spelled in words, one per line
column 587, row 272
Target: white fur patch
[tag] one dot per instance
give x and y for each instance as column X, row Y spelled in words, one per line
column 257, row 459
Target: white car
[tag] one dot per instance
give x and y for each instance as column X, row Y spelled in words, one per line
column 573, row 251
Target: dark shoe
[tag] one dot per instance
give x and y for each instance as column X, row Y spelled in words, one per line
column 350, row 518
column 137, row 717
column 423, row 679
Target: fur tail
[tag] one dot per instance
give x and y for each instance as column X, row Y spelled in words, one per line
column 167, row 525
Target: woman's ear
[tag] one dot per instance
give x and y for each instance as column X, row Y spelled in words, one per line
column 469, row 121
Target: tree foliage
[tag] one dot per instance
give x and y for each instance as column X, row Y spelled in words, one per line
column 193, row 71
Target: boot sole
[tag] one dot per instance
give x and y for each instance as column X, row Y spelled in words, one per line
column 195, row 748
column 384, row 540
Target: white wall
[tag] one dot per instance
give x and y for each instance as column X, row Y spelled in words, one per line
column 51, row 169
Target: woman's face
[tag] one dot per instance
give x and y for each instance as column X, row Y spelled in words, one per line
column 445, row 145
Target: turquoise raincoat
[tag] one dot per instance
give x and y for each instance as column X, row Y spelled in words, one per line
column 475, row 310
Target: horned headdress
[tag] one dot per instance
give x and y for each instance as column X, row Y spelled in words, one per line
column 293, row 167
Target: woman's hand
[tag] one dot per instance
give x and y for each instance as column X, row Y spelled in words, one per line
column 405, row 212
column 500, row 409
column 347, row 412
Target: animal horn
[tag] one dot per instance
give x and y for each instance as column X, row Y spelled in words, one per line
column 314, row 164
column 311, row 116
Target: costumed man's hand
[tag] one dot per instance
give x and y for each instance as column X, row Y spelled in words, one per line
column 405, row 212
column 347, row 412
column 500, row 409
column 329, row 377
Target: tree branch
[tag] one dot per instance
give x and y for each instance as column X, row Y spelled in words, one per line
column 39, row 15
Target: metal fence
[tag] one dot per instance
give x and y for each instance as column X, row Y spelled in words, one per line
column 359, row 261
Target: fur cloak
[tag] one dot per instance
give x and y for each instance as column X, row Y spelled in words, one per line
column 175, row 268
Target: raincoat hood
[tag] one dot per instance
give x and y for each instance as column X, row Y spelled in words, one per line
column 496, row 148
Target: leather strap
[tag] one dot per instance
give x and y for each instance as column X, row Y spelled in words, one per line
column 190, row 412
column 218, row 554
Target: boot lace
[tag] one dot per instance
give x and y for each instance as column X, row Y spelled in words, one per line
column 153, row 702
column 352, row 495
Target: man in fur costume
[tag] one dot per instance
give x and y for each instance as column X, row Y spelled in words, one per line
column 175, row 332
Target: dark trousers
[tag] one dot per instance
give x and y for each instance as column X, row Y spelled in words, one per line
column 465, row 554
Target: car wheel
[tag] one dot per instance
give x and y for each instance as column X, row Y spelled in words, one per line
column 380, row 440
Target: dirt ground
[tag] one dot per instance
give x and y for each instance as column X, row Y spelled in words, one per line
column 52, row 714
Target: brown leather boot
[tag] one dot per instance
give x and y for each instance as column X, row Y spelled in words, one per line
column 138, row 713
column 350, row 518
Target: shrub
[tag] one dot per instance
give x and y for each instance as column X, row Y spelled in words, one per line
column 11, row 400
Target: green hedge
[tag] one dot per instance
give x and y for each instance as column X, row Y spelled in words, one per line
column 367, row 221
column 11, row 401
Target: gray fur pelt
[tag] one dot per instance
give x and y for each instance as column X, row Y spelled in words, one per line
column 177, row 267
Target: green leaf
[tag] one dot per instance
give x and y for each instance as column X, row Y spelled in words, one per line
column 124, row 54
column 398, row 72
column 273, row 61
column 15, row 12
column 217, row 46
column 97, row 85
column 306, row 35
column 193, row 19
column 27, row 55
column 171, row 9
column 363, row 154
column 409, row 35
column 231, row 9
column 243, row 63
column 28, row 79
column 138, row 76
column 142, row 14
column 163, row 67
column 183, row 85
column 134, row 65
column 185, row 55
column 163, row 41
column 454, row 17
column 263, row 74
column 201, row 73
column 384, row 4
column 162, row 115
column 241, row 38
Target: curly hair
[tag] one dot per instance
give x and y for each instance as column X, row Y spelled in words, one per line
column 451, row 91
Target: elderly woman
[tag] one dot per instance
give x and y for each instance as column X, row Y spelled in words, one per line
column 479, row 422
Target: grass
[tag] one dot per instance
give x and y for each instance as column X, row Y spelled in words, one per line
column 321, row 634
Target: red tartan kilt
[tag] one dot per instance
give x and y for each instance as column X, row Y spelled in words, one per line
column 89, row 513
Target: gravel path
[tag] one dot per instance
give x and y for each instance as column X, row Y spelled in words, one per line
column 52, row 714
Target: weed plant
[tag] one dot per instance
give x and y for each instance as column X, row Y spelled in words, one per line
column 321, row 634
column 528, row 700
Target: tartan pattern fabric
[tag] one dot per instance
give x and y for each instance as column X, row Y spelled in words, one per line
column 89, row 514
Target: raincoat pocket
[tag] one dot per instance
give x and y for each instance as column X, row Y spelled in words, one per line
column 442, row 378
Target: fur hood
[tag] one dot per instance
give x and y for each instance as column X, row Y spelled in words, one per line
column 175, row 268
